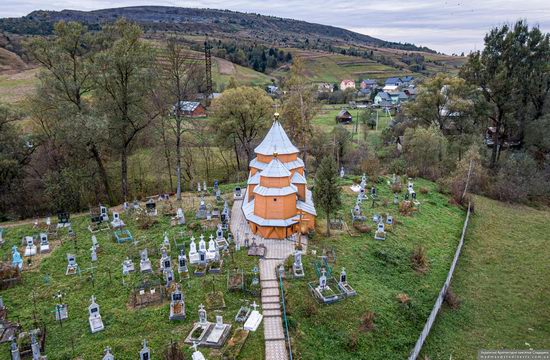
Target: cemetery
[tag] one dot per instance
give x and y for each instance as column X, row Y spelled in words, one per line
column 182, row 275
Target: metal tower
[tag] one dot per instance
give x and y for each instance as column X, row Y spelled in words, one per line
column 208, row 63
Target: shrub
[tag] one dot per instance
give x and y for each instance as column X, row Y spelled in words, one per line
column 403, row 298
column 362, row 228
column 406, row 208
column 396, row 188
column 309, row 307
column 451, row 299
column 352, row 342
column 423, row 190
column 419, row 259
column 367, row 322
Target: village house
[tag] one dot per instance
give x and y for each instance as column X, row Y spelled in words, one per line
column 391, row 89
column 394, row 81
column 369, row 84
column 344, row 117
column 407, row 80
column 398, row 98
column 347, row 84
column 325, row 87
column 382, row 99
column 192, row 109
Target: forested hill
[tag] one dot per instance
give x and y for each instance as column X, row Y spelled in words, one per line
column 200, row 21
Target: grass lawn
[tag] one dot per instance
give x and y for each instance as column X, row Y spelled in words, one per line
column 14, row 88
column 325, row 120
column 125, row 328
column 378, row 271
column 502, row 281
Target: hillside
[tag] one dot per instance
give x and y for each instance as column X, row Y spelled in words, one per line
column 502, row 283
column 271, row 29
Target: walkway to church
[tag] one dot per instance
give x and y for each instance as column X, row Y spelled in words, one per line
column 277, row 252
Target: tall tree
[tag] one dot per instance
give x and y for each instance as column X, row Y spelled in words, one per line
column 126, row 88
column 244, row 113
column 299, row 105
column 326, row 192
column 66, row 80
column 15, row 153
column 181, row 80
column 512, row 73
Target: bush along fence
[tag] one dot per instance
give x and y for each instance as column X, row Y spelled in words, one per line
column 437, row 306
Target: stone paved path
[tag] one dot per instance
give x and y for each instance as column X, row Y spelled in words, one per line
column 277, row 252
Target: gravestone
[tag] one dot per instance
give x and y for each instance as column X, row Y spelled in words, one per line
column 218, row 195
column 14, row 350
column 63, row 220
column 107, row 355
column 151, row 208
column 103, row 213
column 177, row 305
column 203, row 321
column 343, row 284
column 95, row 243
column 145, row 353
column 182, row 262
column 193, row 254
column 72, row 266
column 94, row 318
column 395, row 199
column 197, row 355
column 16, row 260
column 212, row 253
column 342, row 172
column 201, row 213
column 166, row 242
column 117, row 222
column 204, row 186
column 180, row 216
column 61, row 312
column 44, row 243
column 169, row 277
column 93, row 254
column 1, row 236
column 30, row 247
column 254, row 320
column 298, row 267
column 35, row 348
column 198, row 186
column 127, row 266
column 237, row 194
column 145, row 263
column 380, row 231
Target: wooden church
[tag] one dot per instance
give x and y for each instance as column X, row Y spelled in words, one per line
column 277, row 202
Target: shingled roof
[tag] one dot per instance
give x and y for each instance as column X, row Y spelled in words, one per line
column 276, row 142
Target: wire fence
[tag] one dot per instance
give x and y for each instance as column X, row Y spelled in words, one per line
column 437, row 306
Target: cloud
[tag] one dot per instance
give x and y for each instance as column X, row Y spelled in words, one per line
column 447, row 26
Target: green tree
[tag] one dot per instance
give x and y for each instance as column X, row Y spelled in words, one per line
column 15, row 154
column 327, row 192
column 425, row 150
column 61, row 103
column 512, row 73
column 299, row 106
column 181, row 80
column 126, row 88
column 241, row 113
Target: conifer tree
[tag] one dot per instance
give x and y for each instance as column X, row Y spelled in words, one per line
column 326, row 193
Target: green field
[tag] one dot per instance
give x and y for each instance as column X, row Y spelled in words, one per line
column 325, row 120
column 333, row 68
column 502, row 281
column 125, row 327
column 379, row 271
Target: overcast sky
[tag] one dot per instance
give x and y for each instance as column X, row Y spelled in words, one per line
column 446, row 26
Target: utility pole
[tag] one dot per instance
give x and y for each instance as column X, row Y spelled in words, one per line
column 208, row 63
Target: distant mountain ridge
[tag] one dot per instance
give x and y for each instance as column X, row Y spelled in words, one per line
column 200, row 21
